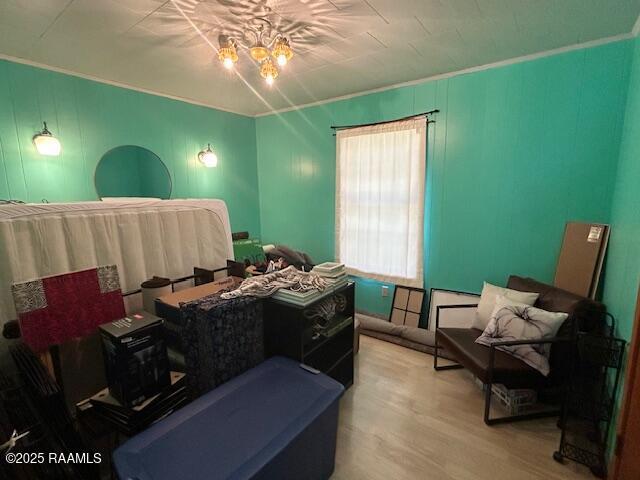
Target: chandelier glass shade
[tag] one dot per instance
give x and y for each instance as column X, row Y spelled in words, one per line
column 282, row 51
column 265, row 48
column 228, row 55
column 268, row 71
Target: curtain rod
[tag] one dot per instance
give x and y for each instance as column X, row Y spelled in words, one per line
column 346, row 127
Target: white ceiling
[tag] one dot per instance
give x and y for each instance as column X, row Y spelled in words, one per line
column 342, row 46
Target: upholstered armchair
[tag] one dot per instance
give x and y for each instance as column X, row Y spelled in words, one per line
column 491, row 365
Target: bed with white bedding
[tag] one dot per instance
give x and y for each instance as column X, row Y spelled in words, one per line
column 143, row 238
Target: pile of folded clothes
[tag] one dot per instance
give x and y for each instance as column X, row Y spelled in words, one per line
column 292, row 285
column 334, row 273
column 301, row 299
column 334, row 276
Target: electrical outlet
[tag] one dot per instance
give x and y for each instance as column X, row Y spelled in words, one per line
column 385, row 290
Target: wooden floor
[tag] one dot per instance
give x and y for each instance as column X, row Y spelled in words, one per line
column 402, row 420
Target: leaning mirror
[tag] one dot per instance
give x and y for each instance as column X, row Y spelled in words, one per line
column 132, row 171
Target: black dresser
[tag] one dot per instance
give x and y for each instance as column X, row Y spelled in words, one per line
column 319, row 335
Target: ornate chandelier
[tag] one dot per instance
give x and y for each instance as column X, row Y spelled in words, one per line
column 265, row 47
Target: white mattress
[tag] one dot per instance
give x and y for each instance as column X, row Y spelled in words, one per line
column 143, row 238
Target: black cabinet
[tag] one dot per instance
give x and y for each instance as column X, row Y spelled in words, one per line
column 319, row 335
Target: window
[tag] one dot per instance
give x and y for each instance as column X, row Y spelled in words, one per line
column 380, row 181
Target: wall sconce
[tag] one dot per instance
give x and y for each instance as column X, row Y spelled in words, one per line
column 46, row 143
column 208, row 158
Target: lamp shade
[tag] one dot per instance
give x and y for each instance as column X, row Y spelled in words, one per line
column 46, row 143
column 268, row 71
column 208, row 158
column 228, row 55
column 282, row 52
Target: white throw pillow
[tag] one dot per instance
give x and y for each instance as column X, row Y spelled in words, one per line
column 488, row 302
column 523, row 322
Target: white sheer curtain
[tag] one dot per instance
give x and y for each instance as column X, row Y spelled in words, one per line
column 380, row 181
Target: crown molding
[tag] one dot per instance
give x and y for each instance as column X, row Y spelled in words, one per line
column 113, row 83
column 488, row 66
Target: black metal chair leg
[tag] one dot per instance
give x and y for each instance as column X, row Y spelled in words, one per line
column 435, row 355
column 487, row 404
column 437, row 367
column 511, row 418
column 522, row 417
column 455, row 366
column 435, row 343
column 435, row 360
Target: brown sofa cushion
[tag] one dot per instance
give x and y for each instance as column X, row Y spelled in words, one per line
column 585, row 315
column 475, row 358
column 588, row 313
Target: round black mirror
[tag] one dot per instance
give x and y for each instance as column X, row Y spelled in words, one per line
column 132, row 171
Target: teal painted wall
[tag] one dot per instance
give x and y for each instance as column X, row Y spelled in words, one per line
column 516, row 152
column 90, row 118
column 623, row 263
